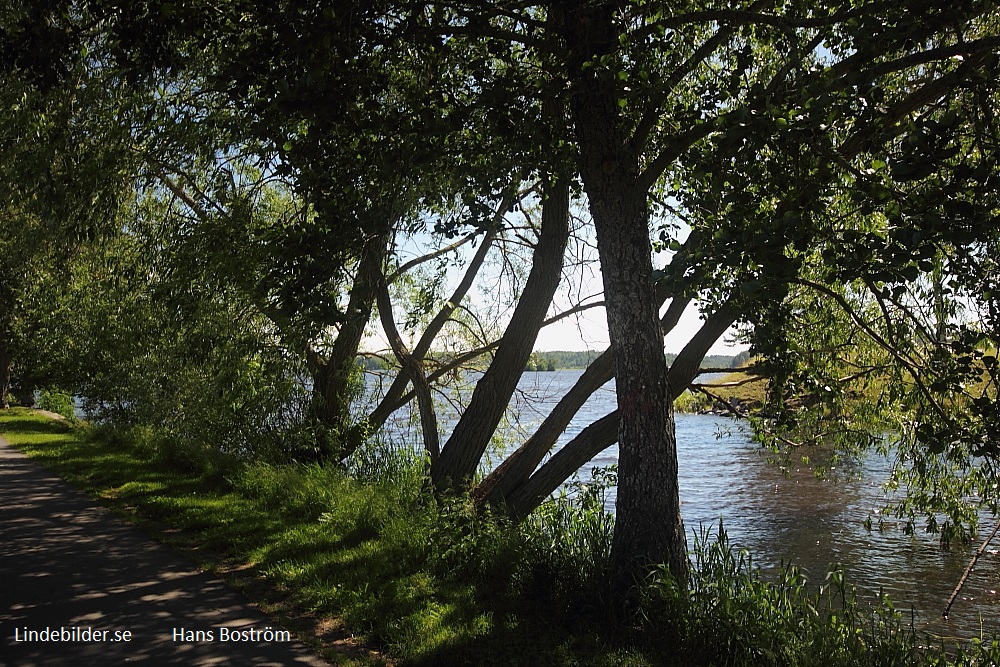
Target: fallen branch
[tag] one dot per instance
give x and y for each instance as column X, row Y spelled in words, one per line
column 737, row 412
column 968, row 570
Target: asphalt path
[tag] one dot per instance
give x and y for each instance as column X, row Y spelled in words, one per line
column 68, row 565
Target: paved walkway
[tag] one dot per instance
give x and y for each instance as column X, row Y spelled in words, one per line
column 69, row 565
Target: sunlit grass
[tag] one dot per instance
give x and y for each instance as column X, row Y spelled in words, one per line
column 219, row 527
column 429, row 590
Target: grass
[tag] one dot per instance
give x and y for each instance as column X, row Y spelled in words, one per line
column 319, row 548
column 432, row 582
column 194, row 509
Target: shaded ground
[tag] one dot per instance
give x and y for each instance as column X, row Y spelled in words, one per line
column 66, row 562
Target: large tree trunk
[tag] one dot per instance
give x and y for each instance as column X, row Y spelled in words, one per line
column 648, row 527
column 461, row 455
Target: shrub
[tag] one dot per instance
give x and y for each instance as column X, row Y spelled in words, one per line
column 57, row 401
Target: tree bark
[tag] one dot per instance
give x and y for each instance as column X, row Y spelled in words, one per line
column 648, row 527
column 464, row 450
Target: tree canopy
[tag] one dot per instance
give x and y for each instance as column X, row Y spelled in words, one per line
column 833, row 169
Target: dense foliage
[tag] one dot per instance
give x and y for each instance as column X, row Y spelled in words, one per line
column 251, row 194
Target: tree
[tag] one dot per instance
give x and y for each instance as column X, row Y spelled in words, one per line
column 804, row 146
column 715, row 100
column 163, row 342
column 27, row 259
column 64, row 168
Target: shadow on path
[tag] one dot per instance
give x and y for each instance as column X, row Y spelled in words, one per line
column 66, row 562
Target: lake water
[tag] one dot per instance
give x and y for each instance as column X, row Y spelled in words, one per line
column 794, row 517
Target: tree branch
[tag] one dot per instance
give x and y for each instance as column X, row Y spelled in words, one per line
column 652, row 115
column 414, row 369
column 874, row 335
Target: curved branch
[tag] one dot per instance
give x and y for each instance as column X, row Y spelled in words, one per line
column 398, row 386
column 461, row 360
column 417, row 261
column 505, row 204
column 847, row 69
column 930, row 92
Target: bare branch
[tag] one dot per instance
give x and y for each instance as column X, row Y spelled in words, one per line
column 723, row 385
column 416, row 261
column 744, row 415
column 464, row 358
column 414, row 369
column 183, row 195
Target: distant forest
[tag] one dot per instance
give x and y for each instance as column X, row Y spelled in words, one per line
column 580, row 359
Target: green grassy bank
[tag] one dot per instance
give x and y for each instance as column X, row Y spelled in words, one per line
column 333, row 552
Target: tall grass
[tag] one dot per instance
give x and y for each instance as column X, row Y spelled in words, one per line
column 730, row 615
column 568, row 541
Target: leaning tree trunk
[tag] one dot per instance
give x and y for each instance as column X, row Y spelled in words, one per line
column 332, row 376
column 413, row 367
column 461, row 455
column 648, row 527
column 513, row 484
